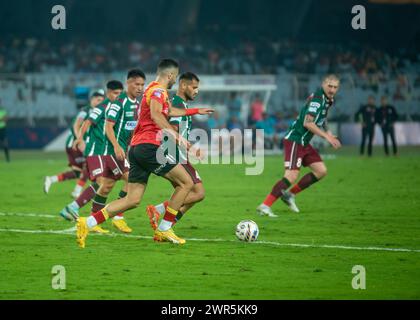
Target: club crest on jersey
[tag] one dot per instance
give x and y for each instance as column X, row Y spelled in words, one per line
column 157, row 94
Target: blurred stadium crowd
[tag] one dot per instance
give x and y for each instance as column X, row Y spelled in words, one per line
column 205, row 56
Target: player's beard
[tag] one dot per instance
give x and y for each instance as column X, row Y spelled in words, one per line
column 189, row 98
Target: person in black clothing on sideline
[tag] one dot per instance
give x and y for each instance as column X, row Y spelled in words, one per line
column 386, row 117
column 367, row 115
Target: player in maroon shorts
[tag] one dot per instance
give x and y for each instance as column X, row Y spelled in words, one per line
column 146, row 157
column 297, row 150
column 77, row 161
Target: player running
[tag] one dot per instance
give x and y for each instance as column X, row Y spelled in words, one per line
column 298, row 151
column 120, row 121
column 77, row 161
column 144, row 157
column 187, row 91
column 95, row 141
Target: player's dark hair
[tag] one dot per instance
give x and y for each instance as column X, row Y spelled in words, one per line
column 165, row 64
column 114, row 85
column 189, row 76
column 136, row 73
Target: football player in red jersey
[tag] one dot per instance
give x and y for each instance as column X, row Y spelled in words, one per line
column 147, row 156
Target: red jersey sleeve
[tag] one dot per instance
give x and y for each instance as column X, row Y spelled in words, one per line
column 158, row 94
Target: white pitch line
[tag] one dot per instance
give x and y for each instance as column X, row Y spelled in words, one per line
column 71, row 231
column 28, row 215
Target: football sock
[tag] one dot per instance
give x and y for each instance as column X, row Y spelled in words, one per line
column 98, row 203
column 78, row 188
column 178, row 217
column 86, row 195
column 306, row 181
column 120, row 215
column 97, row 218
column 277, row 192
column 168, row 219
column 64, row 176
column 162, row 207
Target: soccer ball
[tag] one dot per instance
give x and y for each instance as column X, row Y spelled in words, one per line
column 247, row 230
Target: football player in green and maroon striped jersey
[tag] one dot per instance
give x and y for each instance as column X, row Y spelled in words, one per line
column 297, row 150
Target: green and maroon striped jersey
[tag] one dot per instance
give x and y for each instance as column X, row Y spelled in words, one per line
column 95, row 141
column 123, row 112
column 317, row 105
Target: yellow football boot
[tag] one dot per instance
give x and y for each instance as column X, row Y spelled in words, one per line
column 169, row 235
column 98, row 229
column 121, row 225
column 82, row 231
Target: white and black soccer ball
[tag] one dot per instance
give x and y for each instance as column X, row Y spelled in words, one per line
column 247, row 230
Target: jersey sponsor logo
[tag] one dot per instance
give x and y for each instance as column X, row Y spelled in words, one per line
column 130, row 125
column 313, row 106
column 129, row 114
column 96, row 172
column 112, row 113
column 115, row 107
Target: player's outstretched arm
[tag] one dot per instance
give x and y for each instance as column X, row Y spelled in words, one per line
column 177, row 112
column 160, row 120
column 311, row 126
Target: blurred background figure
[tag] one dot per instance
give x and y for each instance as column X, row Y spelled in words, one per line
column 234, row 106
column 257, row 110
column 366, row 115
column 3, row 134
column 268, row 124
column 386, row 117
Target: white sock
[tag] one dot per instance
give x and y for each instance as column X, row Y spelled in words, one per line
column 165, row 225
column 54, row 179
column 91, row 222
column 160, row 208
column 78, row 189
column 74, row 205
column 118, row 218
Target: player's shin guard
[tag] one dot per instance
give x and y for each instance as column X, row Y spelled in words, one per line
column 168, row 219
column 306, row 181
column 277, row 191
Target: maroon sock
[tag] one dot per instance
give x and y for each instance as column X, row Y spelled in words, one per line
column 306, row 181
column 277, row 191
column 87, row 195
column 66, row 176
column 85, row 175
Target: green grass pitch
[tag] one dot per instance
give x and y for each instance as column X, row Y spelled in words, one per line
column 362, row 204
